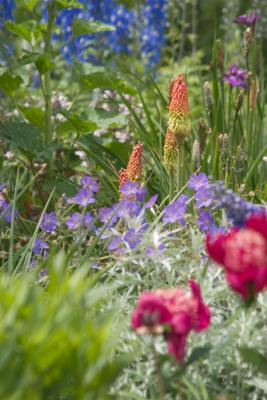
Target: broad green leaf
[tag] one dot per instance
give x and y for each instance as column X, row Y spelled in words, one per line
column 44, row 64
column 24, row 136
column 84, row 27
column 9, row 83
column 79, row 124
column 105, row 80
column 22, row 30
column 105, row 119
column 68, row 4
column 28, row 4
column 34, row 115
column 255, row 358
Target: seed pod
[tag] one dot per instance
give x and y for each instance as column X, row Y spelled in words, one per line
column 196, row 152
column 202, row 134
column 219, row 53
column 208, row 96
column 239, row 100
column 253, row 93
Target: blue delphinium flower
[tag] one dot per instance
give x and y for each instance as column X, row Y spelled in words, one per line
column 236, row 208
column 6, row 10
column 152, row 33
column 175, row 211
column 49, row 222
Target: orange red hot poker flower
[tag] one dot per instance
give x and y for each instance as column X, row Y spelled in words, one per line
column 134, row 168
column 179, row 120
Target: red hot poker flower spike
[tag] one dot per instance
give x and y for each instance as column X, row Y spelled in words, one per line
column 179, row 120
column 134, row 168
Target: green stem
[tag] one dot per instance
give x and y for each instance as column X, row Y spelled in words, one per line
column 162, row 388
column 172, row 178
column 47, row 86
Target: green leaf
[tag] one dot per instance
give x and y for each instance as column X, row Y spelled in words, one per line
column 9, row 83
column 24, row 136
column 103, row 79
column 44, row 64
column 258, row 383
column 34, row 115
column 22, row 30
column 84, row 27
column 68, row 4
column 252, row 356
column 105, row 119
column 28, row 4
column 79, row 124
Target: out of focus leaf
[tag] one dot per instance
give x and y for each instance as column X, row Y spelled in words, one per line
column 105, row 80
column 255, row 358
column 24, row 136
column 44, row 63
column 34, row 115
column 84, row 27
column 9, row 83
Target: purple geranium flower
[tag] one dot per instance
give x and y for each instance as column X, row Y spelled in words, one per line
column 108, row 215
column 83, row 197
column 132, row 238
column 153, row 251
column 40, row 246
column 205, row 221
column 88, row 220
column 196, row 181
column 116, row 244
column 90, row 183
column 203, row 197
column 74, row 221
column 248, row 19
column 175, row 211
column 236, row 77
column 49, row 222
column 131, row 190
column 150, row 203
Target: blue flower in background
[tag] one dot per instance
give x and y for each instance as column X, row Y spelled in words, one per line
column 6, row 10
column 152, row 34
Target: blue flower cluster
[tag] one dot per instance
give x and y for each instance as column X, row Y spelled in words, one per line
column 6, row 10
column 154, row 19
column 83, row 47
column 120, row 41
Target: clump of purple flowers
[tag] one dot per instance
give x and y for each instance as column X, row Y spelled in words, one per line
column 236, row 77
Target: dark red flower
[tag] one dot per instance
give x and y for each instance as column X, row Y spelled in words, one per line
column 243, row 255
column 173, row 312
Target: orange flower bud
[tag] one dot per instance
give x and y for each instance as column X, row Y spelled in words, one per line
column 134, row 168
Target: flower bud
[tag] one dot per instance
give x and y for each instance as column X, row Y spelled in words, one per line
column 239, row 100
column 202, row 134
column 253, row 93
column 171, row 150
column 196, row 152
column 219, row 53
column 208, row 96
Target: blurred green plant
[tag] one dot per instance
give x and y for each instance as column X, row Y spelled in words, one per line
column 54, row 342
